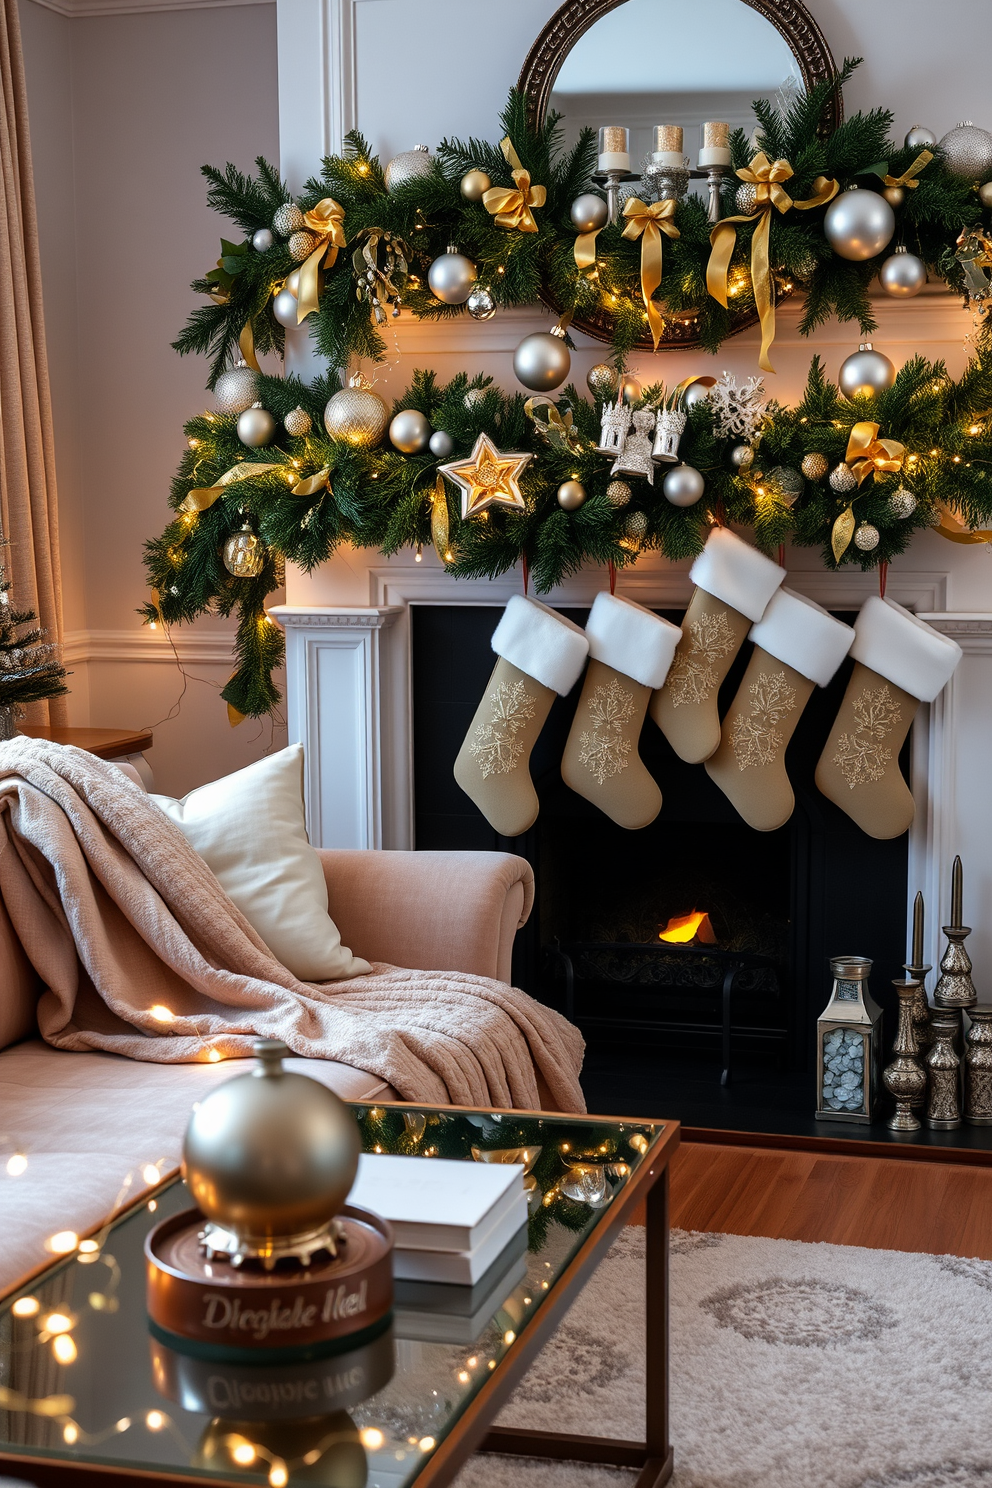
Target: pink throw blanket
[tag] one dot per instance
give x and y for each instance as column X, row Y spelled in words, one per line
column 118, row 914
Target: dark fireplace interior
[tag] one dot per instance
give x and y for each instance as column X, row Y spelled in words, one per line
column 778, row 904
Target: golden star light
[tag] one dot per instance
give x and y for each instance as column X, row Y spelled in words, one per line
column 487, row 478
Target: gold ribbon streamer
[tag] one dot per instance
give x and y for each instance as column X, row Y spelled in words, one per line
column 326, row 220
column 512, row 206
column 648, row 223
column 557, row 429
column 766, row 177
column 203, row 498
column 952, row 527
column 585, row 250
column 440, row 523
column 866, row 453
column 314, row 483
column 911, row 171
column 246, row 345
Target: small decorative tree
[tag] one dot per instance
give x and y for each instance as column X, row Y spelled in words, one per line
column 29, row 666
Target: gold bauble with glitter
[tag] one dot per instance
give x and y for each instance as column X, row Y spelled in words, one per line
column 244, row 554
column 356, row 415
column 815, row 466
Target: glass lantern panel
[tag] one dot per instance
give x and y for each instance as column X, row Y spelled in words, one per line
column 843, row 1071
column 847, row 991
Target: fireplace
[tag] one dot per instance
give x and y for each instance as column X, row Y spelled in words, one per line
column 778, row 904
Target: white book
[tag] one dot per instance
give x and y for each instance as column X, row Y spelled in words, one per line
column 436, row 1203
column 466, row 1267
column 445, row 1322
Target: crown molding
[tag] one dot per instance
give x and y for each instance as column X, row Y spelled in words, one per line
column 74, row 8
column 145, row 645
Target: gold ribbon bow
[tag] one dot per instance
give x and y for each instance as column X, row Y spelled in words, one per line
column 202, row 499
column 512, row 206
column 325, row 221
column 911, row 172
column 766, row 177
column 557, row 428
column 866, row 453
column 314, row 483
column 648, row 223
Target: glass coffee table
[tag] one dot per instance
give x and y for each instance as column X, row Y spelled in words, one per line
column 89, row 1395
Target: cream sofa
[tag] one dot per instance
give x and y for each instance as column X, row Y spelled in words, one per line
column 88, row 1124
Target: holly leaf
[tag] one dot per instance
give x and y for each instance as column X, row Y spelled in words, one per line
column 843, row 531
column 880, row 169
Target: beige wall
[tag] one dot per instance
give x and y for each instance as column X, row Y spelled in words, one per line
column 124, row 111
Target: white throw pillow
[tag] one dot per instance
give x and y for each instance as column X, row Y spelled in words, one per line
column 249, row 828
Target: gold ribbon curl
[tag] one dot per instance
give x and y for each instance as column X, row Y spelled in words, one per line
column 911, row 172
column 648, row 223
column 956, row 530
column 512, row 206
column 314, row 483
column 766, row 177
column 326, row 222
column 556, row 428
column 203, row 498
column 866, row 453
column 246, row 346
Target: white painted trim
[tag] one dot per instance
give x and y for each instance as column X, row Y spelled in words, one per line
column 317, row 83
column 144, row 645
column 75, row 8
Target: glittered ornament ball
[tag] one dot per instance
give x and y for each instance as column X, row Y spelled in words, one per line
column 866, row 537
column 297, row 422
column 589, row 212
column 243, row 554
column 866, row 373
column 745, row 198
column 302, row 244
column 842, row 479
column 473, row 397
column 356, row 415
column 903, row 275
column 618, row 493
column 902, row 503
column 683, row 486
column 256, row 427
column 407, row 166
column 571, row 495
column 967, row 152
column 785, row 482
column 815, row 466
column 236, row 389
column 288, row 219
column 286, row 307
column 410, row 431
column 441, row 444
column 919, row 138
column 474, row 185
column 451, row 277
column 541, row 361
column 262, row 240
column 636, row 526
column 859, row 224
column 480, row 303
column 603, row 380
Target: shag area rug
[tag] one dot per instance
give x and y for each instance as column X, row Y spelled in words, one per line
column 793, row 1366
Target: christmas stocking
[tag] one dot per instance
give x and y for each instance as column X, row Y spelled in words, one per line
column 630, row 651
column 797, row 646
column 540, row 654
column 900, row 661
column 734, row 583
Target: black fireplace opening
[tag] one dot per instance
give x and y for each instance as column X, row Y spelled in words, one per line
column 765, row 910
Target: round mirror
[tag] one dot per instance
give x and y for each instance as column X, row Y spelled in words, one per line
column 645, row 63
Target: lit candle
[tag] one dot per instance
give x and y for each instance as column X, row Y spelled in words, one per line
column 916, row 958
column 716, row 145
column 668, row 146
column 957, row 896
column 614, row 148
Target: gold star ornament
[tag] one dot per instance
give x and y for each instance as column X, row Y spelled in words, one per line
column 487, row 478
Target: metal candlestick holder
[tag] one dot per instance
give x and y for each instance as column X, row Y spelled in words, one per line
column 978, row 1067
column 715, row 177
column 921, row 1017
column 905, row 1078
column 955, row 991
column 613, row 180
column 665, row 182
column 944, row 1074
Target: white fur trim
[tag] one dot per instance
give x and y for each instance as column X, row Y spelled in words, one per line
column 731, row 570
column 631, row 639
column 542, row 643
column 905, row 650
column 795, row 630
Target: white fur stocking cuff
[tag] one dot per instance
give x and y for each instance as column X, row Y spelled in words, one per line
column 537, row 640
column 734, row 572
column 907, row 651
column 631, row 639
column 795, row 630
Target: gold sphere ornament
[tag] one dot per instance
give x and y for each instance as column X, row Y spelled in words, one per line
column 270, row 1158
column 618, row 493
column 236, row 389
column 244, row 554
column 865, row 373
column 866, row 537
column 815, row 466
column 985, row 194
column 571, row 495
column 895, row 195
column 356, row 415
column 288, row 219
column 474, row 184
column 408, row 166
column 603, row 381
column 302, row 244
column 298, row 422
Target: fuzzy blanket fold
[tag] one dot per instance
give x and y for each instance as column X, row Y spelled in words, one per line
column 118, row 915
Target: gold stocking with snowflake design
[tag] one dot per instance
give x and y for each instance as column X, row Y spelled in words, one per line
column 604, row 749
column 755, row 736
column 685, row 709
column 694, row 675
column 496, row 744
column 493, row 763
column 749, row 766
column 601, row 760
column 859, row 767
column 861, row 755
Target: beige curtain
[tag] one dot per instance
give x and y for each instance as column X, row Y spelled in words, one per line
column 27, row 452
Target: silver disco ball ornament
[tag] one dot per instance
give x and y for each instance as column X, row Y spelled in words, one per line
column 302, row 244
column 866, row 373
column 297, row 422
column 480, row 303
column 243, row 554
column 919, row 138
column 815, row 466
column 742, row 455
column 474, row 184
column 866, row 537
column 236, row 389
column 903, row 275
column 968, row 151
column 409, row 165
column 451, row 277
column 256, row 427
column 286, row 307
column 902, row 503
column 441, row 444
column 618, row 493
column 683, row 486
column 262, row 240
column 410, row 431
column 589, row 212
column 603, row 381
column 288, row 219
column 842, row 479
column 745, row 198
column 356, row 415
column 541, row 361
column 571, row 495
column 859, row 224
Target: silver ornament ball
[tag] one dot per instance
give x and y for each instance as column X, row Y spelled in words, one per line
column 745, row 197
column 302, row 244
column 297, row 422
column 286, row 307
column 356, row 415
column 866, row 537
column 236, row 389
column 288, row 219
column 541, row 362
column 262, row 240
column 903, row 275
column 902, row 503
column 865, row 373
column 407, row 166
column 985, row 194
column 571, row 495
column 842, row 479
column 589, row 212
column 410, row 431
column 683, row 486
column 967, row 151
column 919, row 138
column 859, row 224
column 243, row 554
column 742, row 455
column 696, row 392
column 480, row 303
column 474, row 397
column 630, row 389
column 256, row 427
column 815, row 466
column 474, row 185
column 441, row 444
column 618, row 493
column 451, row 277
column 603, row 381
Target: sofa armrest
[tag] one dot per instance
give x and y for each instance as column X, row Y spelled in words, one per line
column 432, row 911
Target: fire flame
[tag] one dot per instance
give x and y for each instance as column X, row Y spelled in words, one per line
column 681, row 929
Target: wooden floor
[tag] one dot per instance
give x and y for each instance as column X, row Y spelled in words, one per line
column 940, row 1208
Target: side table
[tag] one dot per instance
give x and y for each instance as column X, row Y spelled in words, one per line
column 124, row 746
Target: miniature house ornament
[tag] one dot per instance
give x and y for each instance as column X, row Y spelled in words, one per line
column 848, row 1045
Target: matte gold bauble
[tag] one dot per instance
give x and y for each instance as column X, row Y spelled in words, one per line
column 895, row 195
column 356, row 415
column 474, row 185
column 244, row 554
column 571, row 495
column 815, row 466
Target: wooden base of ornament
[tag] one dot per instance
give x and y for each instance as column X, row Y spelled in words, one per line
column 217, row 1311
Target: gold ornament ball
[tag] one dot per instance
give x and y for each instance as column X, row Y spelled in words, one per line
column 985, row 194
column 589, row 212
column 636, row 525
column 271, row 1154
column 302, row 244
column 603, row 380
column 571, row 495
column 866, row 537
column 895, row 195
column 815, row 466
column 902, row 503
column 865, row 373
column 288, row 219
column 297, row 422
column 356, row 415
column 244, row 554
column 474, row 185
column 618, row 493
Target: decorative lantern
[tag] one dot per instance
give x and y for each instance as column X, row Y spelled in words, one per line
column 848, row 1045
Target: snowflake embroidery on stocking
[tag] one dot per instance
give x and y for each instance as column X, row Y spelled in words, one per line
column 693, row 675
column 754, row 737
column 496, row 745
column 738, row 408
column 605, row 750
column 860, row 755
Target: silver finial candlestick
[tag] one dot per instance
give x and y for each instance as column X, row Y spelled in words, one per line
column 978, row 1067
column 905, row 1078
column 944, row 1074
column 715, row 177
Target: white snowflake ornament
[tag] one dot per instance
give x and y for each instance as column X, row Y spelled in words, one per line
column 738, row 408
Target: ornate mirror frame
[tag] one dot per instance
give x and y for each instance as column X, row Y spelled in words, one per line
column 573, row 19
